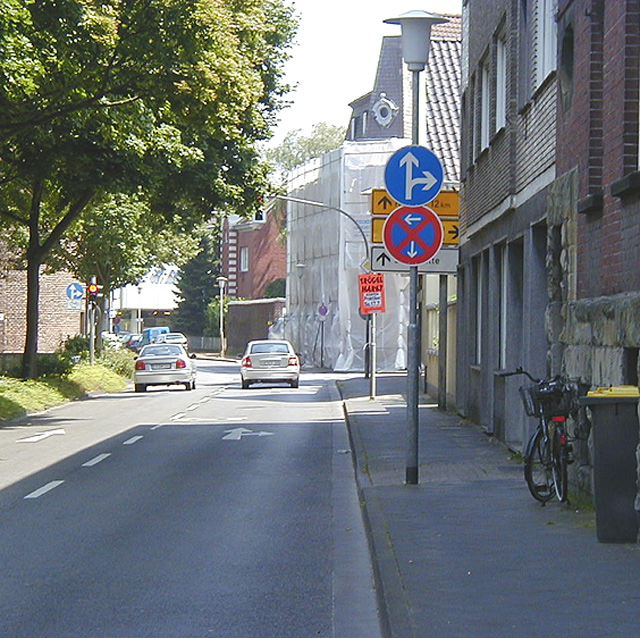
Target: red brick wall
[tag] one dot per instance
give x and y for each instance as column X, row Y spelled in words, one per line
column 267, row 258
column 598, row 134
column 56, row 321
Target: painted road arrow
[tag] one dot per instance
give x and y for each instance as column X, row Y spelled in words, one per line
column 237, row 433
column 40, row 436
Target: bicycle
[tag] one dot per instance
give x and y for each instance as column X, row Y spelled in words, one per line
column 548, row 453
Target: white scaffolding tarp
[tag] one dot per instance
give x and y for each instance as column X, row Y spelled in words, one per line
column 325, row 254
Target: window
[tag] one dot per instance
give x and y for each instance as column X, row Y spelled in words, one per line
column 565, row 71
column 501, row 83
column 473, row 118
column 546, row 49
column 485, row 103
column 479, row 285
column 502, row 311
column 244, row 259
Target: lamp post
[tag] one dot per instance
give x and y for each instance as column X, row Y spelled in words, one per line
column 416, row 40
column 222, row 282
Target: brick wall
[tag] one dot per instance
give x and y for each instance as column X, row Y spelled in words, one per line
column 266, row 257
column 535, row 135
column 56, row 321
column 598, row 135
column 525, row 148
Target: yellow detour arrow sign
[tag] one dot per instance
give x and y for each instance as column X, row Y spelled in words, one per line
column 446, row 205
column 382, row 203
column 451, row 232
column 376, row 229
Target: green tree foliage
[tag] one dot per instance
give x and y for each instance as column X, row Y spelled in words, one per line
column 297, row 148
column 198, row 286
column 119, row 240
column 276, row 288
column 163, row 98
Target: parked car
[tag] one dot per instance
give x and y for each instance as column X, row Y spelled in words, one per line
column 149, row 335
column 133, row 342
column 164, row 364
column 269, row 360
column 173, row 337
column 110, row 340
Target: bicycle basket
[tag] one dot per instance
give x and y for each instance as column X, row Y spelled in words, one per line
column 527, row 394
column 550, row 399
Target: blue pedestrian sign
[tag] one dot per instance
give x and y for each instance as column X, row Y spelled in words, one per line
column 75, row 291
column 413, row 176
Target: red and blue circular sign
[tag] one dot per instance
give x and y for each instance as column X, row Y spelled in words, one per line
column 413, row 235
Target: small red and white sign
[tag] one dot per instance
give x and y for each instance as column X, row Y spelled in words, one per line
column 372, row 297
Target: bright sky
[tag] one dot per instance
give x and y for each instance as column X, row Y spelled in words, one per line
column 336, row 56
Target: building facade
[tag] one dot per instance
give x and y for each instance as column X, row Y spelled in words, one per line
column 508, row 168
column 254, row 253
column 550, row 202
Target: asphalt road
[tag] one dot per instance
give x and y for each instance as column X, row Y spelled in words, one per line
column 217, row 512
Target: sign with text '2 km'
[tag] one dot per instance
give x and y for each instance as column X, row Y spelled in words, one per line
column 372, row 297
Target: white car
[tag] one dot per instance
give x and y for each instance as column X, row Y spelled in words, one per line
column 173, row 337
column 164, row 364
column 269, row 360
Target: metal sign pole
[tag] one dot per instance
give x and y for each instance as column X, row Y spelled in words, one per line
column 413, row 358
column 416, row 37
column 372, row 357
column 92, row 324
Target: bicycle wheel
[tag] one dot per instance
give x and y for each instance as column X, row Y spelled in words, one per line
column 538, row 468
column 560, row 480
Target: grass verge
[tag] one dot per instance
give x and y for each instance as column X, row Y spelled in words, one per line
column 19, row 397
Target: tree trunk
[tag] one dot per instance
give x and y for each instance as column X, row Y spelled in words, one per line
column 29, row 368
column 36, row 255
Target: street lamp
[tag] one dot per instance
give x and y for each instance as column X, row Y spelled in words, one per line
column 222, row 282
column 416, row 40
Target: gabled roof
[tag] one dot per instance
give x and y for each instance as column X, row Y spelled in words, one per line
column 442, row 78
column 443, row 95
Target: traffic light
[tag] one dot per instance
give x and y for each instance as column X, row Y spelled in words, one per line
column 93, row 292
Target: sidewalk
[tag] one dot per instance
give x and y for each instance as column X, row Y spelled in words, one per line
column 467, row 552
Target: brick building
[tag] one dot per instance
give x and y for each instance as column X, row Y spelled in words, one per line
column 596, row 197
column 253, row 253
column 253, row 257
column 508, row 150
column 550, row 201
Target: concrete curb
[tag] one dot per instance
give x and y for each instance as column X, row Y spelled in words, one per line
column 393, row 606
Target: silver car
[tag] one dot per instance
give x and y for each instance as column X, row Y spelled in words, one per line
column 164, row 364
column 270, row 360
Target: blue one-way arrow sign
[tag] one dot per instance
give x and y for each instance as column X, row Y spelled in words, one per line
column 414, row 175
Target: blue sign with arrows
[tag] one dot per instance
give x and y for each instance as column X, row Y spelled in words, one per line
column 75, row 291
column 414, row 176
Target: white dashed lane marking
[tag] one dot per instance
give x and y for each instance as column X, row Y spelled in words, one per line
column 96, row 460
column 44, row 489
column 132, row 440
